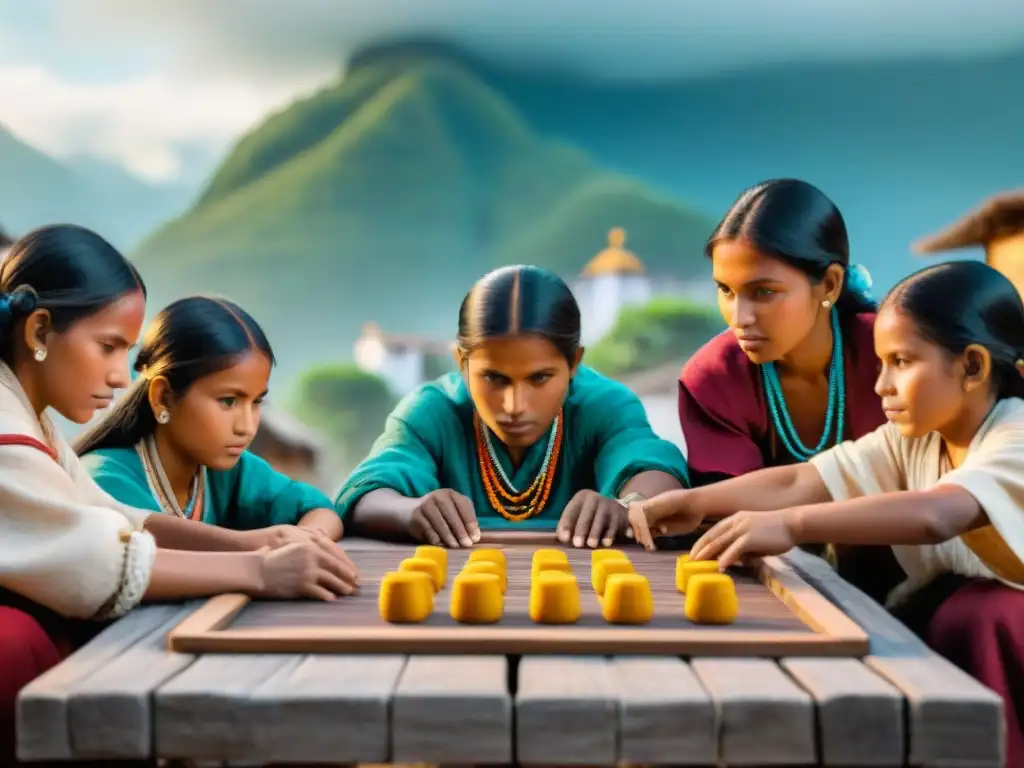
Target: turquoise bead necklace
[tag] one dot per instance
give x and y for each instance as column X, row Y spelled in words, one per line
column 836, row 402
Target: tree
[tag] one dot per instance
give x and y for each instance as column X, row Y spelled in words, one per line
column 662, row 331
column 348, row 405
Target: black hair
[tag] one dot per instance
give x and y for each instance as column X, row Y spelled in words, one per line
column 959, row 303
column 797, row 223
column 189, row 339
column 520, row 300
column 65, row 269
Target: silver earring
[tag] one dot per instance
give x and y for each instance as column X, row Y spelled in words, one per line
column 40, row 354
column 826, row 304
column 163, row 417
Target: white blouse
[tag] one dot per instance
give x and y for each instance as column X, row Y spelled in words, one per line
column 884, row 461
column 64, row 542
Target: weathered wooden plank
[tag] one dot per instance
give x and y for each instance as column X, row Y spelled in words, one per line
column 852, row 700
column 43, row 726
column 111, row 712
column 566, row 711
column 665, row 715
column 953, row 720
column 764, row 717
column 325, row 709
column 202, row 713
column 453, row 709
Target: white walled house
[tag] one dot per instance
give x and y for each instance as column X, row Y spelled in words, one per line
column 402, row 361
column 613, row 280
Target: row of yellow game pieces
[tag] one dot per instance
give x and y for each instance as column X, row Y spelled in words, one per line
column 407, row 595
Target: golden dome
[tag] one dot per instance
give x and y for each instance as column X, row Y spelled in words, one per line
column 614, row 259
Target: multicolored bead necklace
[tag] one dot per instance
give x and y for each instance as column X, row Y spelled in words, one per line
column 836, row 402
column 161, row 486
column 525, row 504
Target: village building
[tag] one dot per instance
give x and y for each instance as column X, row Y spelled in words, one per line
column 997, row 226
column 402, row 361
column 613, row 280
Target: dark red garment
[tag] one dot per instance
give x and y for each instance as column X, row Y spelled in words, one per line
column 979, row 626
column 33, row 639
column 27, row 650
column 724, row 417
column 724, row 414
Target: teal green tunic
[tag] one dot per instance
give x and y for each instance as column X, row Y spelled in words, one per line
column 251, row 495
column 429, row 443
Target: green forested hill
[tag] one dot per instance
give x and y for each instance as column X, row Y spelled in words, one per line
column 383, row 196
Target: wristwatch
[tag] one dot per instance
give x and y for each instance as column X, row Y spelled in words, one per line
column 631, row 498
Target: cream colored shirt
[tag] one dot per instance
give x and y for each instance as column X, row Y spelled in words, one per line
column 993, row 472
column 64, row 542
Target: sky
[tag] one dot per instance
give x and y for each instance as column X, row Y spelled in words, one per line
column 140, row 82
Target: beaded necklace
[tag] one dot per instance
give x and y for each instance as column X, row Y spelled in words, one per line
column 161, row 486
column 836, row 402
column 522, row 505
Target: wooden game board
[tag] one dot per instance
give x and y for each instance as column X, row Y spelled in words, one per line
column 780, row 615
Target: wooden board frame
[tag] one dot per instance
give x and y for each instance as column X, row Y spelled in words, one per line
column 207, row 630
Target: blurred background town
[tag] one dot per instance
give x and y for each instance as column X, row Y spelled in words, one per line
column 346, row 170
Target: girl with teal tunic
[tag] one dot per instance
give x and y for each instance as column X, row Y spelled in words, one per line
column 176, row 442
column 523, row 437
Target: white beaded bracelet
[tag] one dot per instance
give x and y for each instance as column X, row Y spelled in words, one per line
column 140, row 554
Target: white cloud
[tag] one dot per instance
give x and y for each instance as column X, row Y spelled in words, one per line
column 141, row 121
column 200, row 72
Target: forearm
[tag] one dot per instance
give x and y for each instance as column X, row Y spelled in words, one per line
column 324, row 520
column 904, row 518
column 651, row 483
column 382, row 514
column 762, row 491
column 173, row 532
column 180, row 575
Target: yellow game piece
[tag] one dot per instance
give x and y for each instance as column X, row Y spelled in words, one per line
column 605, row 568
column 484, row 566
column 488, row 555
column 427, row 566
column 711, row 599
column 686, row 569
column 476, row 598
column 627, row 599
column 557, row 566
column 681, row 561
column 554, row 598
column 545, row 558
column 598, row 555
column 406, row 597
column 439, row 555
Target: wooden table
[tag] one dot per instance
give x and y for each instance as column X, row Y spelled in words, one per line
column 124, row 697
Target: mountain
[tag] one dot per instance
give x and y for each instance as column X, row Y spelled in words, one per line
column 385, row 195
column 37, row 189
column 903, row 145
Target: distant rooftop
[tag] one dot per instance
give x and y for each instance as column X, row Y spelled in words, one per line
column 406, row 342
column 997, row 217
column 614, row 259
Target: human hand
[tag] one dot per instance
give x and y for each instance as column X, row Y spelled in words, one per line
column 591, row 519
column 666, row 514
column 445, row 517
column 304, row 569
column 745, row 534
column 277, row 536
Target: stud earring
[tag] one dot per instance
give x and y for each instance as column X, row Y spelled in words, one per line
column 826, row 304
column 163, row 417
column 40, row 354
